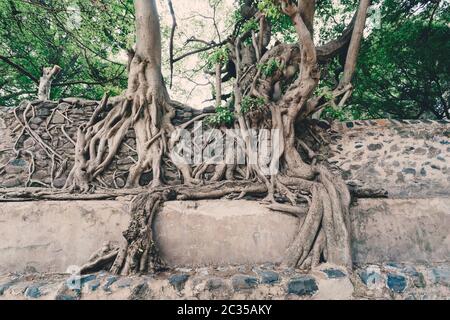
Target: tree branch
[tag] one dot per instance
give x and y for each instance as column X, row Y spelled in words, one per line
column 212, row 45
column 172, row 35
column 333, row 47
column 355, row 43
column 20, row 69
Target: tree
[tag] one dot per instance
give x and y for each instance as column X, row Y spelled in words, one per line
column 276, row 86
column 281, row 82
column 404, row 71
column 83, row 37
column 145, row 108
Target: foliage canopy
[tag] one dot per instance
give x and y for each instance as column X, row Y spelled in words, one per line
column 402, row 70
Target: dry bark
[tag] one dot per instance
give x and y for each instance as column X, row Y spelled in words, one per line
column 45, row 82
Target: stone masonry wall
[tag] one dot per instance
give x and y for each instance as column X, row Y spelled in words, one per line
column 404, row 158
column 57, row 123
column 260, row 282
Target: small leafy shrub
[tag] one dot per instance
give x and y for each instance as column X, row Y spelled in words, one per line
column 249, row 103
column 220, row 56
column 250, row 25
column 223, row 116
column 325, row 91
column 270, row 67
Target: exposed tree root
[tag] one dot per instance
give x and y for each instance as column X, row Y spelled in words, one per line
column 323, row 232
column 140, row 254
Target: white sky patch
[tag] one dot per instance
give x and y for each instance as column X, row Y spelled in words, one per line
column 194, row 19
column 74, row 17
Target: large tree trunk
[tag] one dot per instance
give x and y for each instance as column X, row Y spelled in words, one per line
column 144, row 108
column 147, row 91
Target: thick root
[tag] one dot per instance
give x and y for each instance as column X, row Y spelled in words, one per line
column 325, row 232
column 139, row 253
column 303, row 242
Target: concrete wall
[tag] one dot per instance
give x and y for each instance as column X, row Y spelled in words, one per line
column 50, row 236
column 401, row 230
column 384, row 230
column 222, row 232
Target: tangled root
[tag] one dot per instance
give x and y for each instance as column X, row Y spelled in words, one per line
column 323, row 234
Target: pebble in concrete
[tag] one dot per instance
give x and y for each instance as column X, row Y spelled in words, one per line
column 33, row 292
column 87, row 278
column 371, row 277
column 123, row 283
column 243, row 282
column 109, row 282
column 396, row 282
column 303, row 285
column 94, row 285
column 417, row 277
column 214, row 284
column 6, row 286
column 178, row 281
column 66, row 293
column 441, row 275
column 334, row 273
column 269, row 277
column 140, row 291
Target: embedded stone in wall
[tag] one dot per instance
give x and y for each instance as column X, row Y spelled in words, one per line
column 406, row 158
column 211, row 283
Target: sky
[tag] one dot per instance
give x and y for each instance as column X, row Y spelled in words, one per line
column 194, row 18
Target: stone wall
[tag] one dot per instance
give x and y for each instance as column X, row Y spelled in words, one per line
column 405, row 158
column 258, row 282
column 57, row 123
